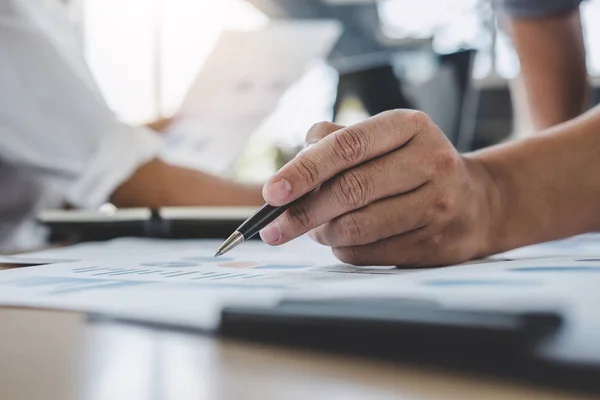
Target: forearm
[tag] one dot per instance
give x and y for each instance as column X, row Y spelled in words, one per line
column 553, row 66
column 157, row 184
column 546, row 187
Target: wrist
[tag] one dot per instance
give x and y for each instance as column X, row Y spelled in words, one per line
column 491, row 194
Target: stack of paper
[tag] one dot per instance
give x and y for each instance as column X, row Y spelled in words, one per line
column 172, row 282
column 181, row 283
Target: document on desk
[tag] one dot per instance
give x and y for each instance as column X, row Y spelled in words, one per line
column 240, row 86
column 174, row 282
column 560, row 284
column 581, row 246
column 179, row 283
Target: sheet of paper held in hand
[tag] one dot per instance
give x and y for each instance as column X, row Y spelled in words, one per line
column 239, row 87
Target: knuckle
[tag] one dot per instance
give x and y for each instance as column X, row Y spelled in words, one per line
column 419, row 120
column 308, row 170
column 301, row 217
column 435, row 241
column 443, row 203
column 351, row 145
column 354, row 189
column 349, row 255
column 445, row 161
column 350, row 229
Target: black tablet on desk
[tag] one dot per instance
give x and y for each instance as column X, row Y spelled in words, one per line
column 203, row 222
column 168, row 222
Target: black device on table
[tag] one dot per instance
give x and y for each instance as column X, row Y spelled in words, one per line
column 169, row 222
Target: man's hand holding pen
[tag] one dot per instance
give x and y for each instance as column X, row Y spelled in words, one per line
column 391, row 190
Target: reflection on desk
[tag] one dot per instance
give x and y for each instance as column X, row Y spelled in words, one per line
column 62, row 356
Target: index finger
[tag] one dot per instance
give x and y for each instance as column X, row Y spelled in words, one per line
column 342, row 150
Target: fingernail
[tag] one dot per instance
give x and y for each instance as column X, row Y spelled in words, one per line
column 272, row 233
column 277, row 192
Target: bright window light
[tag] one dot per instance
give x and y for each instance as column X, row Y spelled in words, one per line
column 146, row 53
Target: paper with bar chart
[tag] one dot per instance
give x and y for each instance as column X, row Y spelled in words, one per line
column 178, row 283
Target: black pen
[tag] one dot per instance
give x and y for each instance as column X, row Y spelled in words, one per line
column 253, row 225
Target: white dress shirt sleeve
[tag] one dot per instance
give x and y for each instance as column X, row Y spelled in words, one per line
column 52, row 116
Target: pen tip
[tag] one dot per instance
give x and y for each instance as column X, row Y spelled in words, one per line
column 235, row 239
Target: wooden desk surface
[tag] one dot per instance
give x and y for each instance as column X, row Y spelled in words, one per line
column 61, row 356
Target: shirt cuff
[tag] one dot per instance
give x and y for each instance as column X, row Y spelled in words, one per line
column 117, row 157
column 537, row 8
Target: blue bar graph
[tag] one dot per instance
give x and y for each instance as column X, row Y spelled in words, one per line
column 61, row 286
column 567, row 269
column 479, row 282
column 169, row 264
